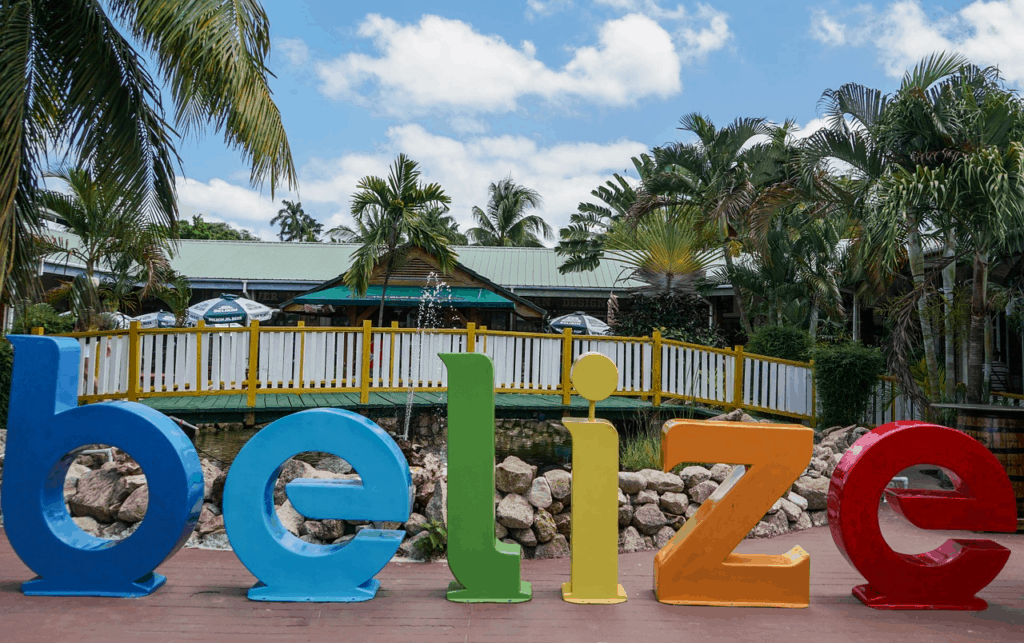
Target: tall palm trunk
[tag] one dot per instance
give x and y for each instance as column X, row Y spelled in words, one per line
column 736, row 294
column 915, row 254
column 392, row 242
column 976, row 336
column 814, row 321
column 948, row 278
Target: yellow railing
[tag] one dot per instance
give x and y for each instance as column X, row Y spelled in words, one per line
column 141, row 363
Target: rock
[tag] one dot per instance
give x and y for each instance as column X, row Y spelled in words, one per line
column 290, row 519
column 675, row 503
column 630, row 482
column 194, row 540
column 732, row 416
column 791, row 509
column 675, row 521
column 797, row 500
column 802, row 522
column 312, row 540
column 702, row 491
column 563, row 523
column 87, row 524
column 540, row 493
column 814, row 490
column 623, row 500
column 630, row 541
column 500, row 531
column 819, row 465
column 209, row 522
column 544, row 526
column 833, row 460
column 216, row 540
column 415, row 524
column 133, row 509
column 210, row 473
column 819, row 518
column 557, row 547
column 647, row 497
column 555, row 508
column 719, row 472
column 437, row 508
column 344, row 539
column 691, row 509
column 823, row 453
column 217, row 492
column 325, row 530
column 513, row 476
column 515, row 512
column 97, row 492
column 524, row 537
column 664, row 535
column 114, row 531
column 772, row 526
column 660, row 481
column 625, row 515
column 76, row 471
column 415, row 548
column 694, row 475
column 291, row 470
column 775, row 507
column 560, row 483
column 333, row 464
column 648, row 519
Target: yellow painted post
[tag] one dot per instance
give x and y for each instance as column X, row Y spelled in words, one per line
column 364, row 380
column 737, row 378
column 566, row 366
column 814, row 399
column 200, row 384
column 391, row 356
column 133, row 361
column 470, row 337
column 38, row 330
column 302, row 353
column 254, row 356
column 656, row 367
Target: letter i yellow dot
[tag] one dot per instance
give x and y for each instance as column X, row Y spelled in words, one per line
column 594, row 567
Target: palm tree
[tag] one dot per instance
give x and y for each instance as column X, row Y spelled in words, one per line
column 295, row 224
column 115, row 240
column 177, row 294
column 506, row 223
column 445, row 225
column 391, row 215
column 73, row 85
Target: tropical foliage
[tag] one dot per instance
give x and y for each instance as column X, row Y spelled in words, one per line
column 506, row 222
column 295, row 224
column 200, row 229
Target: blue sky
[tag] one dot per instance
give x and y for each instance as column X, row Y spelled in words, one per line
column 559, row 94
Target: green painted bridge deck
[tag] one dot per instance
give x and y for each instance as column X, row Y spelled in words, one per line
column 226, row 408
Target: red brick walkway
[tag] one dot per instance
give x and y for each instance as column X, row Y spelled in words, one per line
column 204, row 600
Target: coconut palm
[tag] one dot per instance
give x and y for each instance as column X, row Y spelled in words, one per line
column 392, row 218
column 445, row 225
column 117, row 245
column 295, row 224
column 74, row 86
column 506, row 222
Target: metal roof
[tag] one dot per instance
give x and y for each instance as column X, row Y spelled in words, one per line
column 528, row 268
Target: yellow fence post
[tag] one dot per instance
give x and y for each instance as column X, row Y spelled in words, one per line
column 737, row 378
column 364, row 381
column 200, row 384
column 38, row 330
column 254, row 356
column 656, row 367
column 302, row 353
column 566, row 366
column 133, row 361
column 470, row 337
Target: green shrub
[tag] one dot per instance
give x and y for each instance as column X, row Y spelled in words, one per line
column 45, row 316
column 845, row 376
column 784, row 342
column 683, row 318
column 6, row 366
column 436, row 542
column 641, row 451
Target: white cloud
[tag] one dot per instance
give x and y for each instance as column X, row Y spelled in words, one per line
column 536, row 8
column 987, row 32
column 295, row 50
column 563, row 173
column 446, row 64
column 697, row 33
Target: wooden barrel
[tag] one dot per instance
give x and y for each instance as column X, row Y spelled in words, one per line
column 1001, row 430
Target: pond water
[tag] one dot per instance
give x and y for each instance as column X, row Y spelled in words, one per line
column 545, row 444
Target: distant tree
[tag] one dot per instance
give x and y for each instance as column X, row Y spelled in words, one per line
column 506, row 222
column 445, row 225
column 295, row 224
column 200, row 229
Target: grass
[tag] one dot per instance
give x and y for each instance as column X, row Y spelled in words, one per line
column 641, row 451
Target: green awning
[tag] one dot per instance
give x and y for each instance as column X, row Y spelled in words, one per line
column 407, row 296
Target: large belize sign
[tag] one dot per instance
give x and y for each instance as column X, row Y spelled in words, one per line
column 47, row 429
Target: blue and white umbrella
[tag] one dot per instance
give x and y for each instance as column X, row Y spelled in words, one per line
column 228, row 309
column 160, row 319
column 580, row 324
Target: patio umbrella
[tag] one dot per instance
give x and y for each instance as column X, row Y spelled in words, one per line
column 228, row 309
column 118, row 320
column 159, row 319
column 580, row 323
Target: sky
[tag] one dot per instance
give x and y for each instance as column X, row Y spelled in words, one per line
column 557, row 94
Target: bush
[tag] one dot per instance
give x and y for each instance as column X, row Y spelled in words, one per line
column 845, row 376
column 45, row 316
column 6, row 366
column 683, row 318
column 783, row 342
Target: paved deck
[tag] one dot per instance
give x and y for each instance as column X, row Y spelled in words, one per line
column 269, row 406
column 204, row 600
